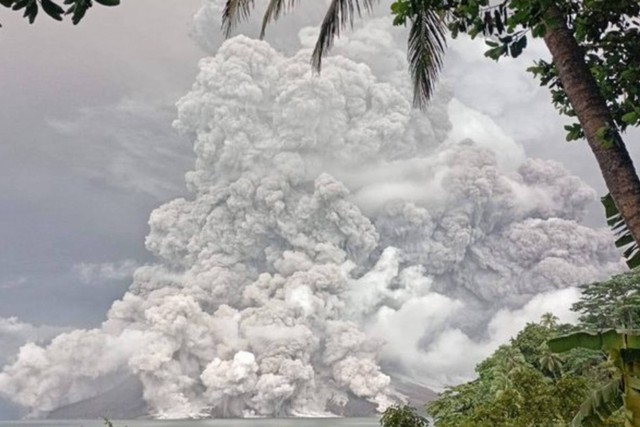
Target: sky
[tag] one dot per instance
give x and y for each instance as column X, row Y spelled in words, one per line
column 87, row 149
column 85, row 110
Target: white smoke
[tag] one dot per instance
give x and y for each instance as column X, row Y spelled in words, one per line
column 334, row 236
column 15, row 333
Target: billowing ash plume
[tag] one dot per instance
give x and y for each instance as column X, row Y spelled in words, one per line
column 14, row 334
column 334, row 236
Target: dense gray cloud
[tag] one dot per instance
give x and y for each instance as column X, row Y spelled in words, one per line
column 523, row 109
column 324, row 216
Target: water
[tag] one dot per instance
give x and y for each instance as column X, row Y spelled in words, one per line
column 254, row 422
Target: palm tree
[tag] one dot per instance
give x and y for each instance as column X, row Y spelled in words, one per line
column 509, row 360
column 549, row 320
column 426, row 47
column 501, row 383
column 550, row 362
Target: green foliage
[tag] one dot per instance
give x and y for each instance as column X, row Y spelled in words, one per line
column 402, row 416
column 76, row 8
column 530, row 398
column 525, row 384
column 623, row 348
column 521, row 385
column 609, row 34
column 607, row 340
column 614, row 303
column 600, row 406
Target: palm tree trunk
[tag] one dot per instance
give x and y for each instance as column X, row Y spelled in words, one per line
column 591, row 109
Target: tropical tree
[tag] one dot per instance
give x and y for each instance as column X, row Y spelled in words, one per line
column 402, row 416
column 509, row 359
column 549, row 320
column 502, row 383
column 76, row 8
column 587, row 100
column 623, row 391
column 556, row 376
column 614, row 303
column 593, row 76
column 514, row 389
column 550, row 362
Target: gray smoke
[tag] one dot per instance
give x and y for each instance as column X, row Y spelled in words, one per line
column 331, row 231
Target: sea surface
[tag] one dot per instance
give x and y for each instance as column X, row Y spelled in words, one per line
column 254, row 422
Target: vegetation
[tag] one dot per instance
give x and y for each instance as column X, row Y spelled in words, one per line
column 402, row 416
column 614, row 303
column 523, row 384
column 593, row 77
column 621, row 392
column 526, row 383
column 611, row 304
column 54, row 8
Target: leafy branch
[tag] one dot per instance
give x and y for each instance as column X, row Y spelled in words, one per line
column 76, row 8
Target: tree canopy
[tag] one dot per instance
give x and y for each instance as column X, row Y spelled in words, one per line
column 524, row 384
column 611, row 304
column 521, row 385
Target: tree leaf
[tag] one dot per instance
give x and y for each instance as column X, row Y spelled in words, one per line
column 624, row 239
column 340, row 14
column 274, row 9
column 607, row 340
column 597, row 408
column 631, row 118
column 234, row 12
column 52, row 9
column 426, row 47
column 20, row 4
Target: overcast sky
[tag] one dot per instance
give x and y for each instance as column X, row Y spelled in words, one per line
column 87, row 149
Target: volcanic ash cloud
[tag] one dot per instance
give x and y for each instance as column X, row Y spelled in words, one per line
column 332, row 230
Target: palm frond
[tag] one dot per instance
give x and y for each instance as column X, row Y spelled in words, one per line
column 339, row 15
column 234, row 12
column 597, row 408
column 275, row 8
column 427, row 44
column 622, row 234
